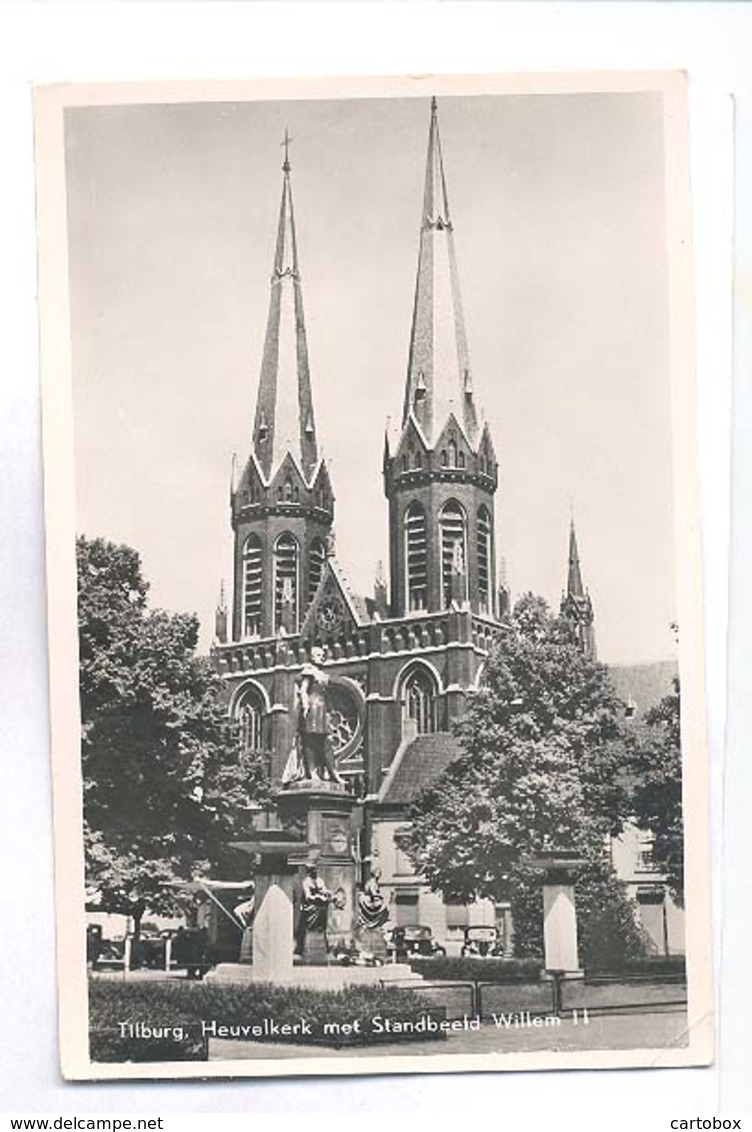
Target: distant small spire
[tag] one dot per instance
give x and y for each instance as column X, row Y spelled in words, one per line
column 575, row 587
column 220, row 616
column 286, row 143
column 576, row 606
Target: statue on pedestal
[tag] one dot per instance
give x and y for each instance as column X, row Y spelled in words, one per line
column 372, row 910
column 315, row 898
column 310, row 760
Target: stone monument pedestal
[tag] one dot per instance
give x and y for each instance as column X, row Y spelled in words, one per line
column 559, row 912
column 278, row 853
column 320, row 813
column 317, row 828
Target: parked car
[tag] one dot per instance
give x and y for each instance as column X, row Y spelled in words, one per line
column 483, row 942
column 148, row 950
column 412, row 939
column 109, row 953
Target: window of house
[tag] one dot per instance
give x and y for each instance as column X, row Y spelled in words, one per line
column 405, row 908
column 645, row 862
column 457, row 916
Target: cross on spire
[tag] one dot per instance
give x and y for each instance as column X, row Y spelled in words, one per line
column 286, row 143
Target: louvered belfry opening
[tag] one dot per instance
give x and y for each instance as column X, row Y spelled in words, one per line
column 416, row 555
column 286, row 588
column 453, row 527
column 252, row 577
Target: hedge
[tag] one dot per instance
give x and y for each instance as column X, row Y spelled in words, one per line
column 473, row 969
column 650, row 965
column 187, row 1005
column 493, row 970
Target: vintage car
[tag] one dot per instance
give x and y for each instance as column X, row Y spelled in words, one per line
column 482, row 941
column 412, row 939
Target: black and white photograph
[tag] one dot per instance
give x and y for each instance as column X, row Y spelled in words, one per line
column 376, row 643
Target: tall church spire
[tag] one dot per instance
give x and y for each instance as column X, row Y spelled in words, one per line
column 576, row 606
column 282, row 505
column 574, row 575
column 439, row 380
column 284, row 421
column 440, row 471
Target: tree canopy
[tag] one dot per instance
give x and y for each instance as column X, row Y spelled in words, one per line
column 657, row 790
column 542, row 768
column 165, row 787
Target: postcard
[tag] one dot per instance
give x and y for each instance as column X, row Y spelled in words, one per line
column 374, row 578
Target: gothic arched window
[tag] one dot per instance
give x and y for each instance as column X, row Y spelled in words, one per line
column 416, row 564
column 288, row 490
column 485, row 561
column 316, row 559
column 453, row 539
column 250, row 717
column 251, row 586
column 452, row 446
column 286, row 588
column 420, row 700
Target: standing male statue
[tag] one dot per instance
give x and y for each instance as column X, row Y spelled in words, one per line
column 310, row 760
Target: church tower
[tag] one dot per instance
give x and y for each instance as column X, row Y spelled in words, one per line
column 576, row 606
column 440, row 470
column 282, row 507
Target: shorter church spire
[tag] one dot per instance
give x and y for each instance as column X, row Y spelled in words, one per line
column 220, row 616
column 576, row 606
column 574, row 574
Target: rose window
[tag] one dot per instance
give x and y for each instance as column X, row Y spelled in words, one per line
column 343, row 719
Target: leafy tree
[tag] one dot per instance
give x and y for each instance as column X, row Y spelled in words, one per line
column 657, row 789
column 164, row 785
column 541, row 768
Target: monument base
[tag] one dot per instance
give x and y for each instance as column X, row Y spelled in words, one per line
column 315, row 952
column 325, row 978
column 372, row 941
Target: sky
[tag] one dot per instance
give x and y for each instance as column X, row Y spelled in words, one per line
column 558, row 204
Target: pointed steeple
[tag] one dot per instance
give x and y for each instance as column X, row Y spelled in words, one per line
column 439, row 380
column 284, row 420
column 575, row 587
column 576, row 606
column 220, row 616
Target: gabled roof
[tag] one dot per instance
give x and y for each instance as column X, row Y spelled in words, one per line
column 333, row 589
column 417, row 765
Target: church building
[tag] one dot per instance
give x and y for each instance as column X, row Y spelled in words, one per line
column 399, row 662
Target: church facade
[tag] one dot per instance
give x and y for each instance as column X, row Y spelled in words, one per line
column 401, row 661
